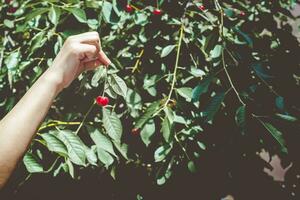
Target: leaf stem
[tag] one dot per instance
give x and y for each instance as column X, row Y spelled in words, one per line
column 182, row 147
column 176, row 66
column 85, row 116
column 223, row 56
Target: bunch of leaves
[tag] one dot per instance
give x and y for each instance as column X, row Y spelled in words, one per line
column 182, row 73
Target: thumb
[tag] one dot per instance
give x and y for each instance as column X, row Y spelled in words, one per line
column 103, row 58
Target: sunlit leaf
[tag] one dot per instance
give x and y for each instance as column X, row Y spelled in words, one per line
column 32, row 164
column 112, row 125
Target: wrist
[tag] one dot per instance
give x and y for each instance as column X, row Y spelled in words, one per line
column 54, row 78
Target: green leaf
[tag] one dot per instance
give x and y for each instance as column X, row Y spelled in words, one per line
column 99, row 76
column 167, row 50
column 112, row 125
column 200, row 89
column 240, row 117
column 54, row 15
column 244, row 36
column 70, row 168
column 118, row 85
column 78, row 13
column 201, row 145
column 37, row 41
column 109, row 13
column 12, row 60
column 91, row 156
column 105, row 157
column 286, row 117
column 214, row 106
column 185, row 92
column 101, row 140
column 166, row 129
column 75, row 147
column 191, row 166
column 36, row 12
column 32, row 164
column 122, row 148
column 147, row 132
column 279, row 102
column 276, row 134
column 229, row 12
column 8, row 23
column 54, row 144
column 161, row 152
column 148, row 114
column 134, row 102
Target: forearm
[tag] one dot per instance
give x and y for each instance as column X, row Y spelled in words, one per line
column 21, row 123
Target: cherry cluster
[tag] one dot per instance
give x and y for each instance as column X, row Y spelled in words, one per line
column 11, row 9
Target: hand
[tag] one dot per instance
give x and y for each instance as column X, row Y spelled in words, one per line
column 79, row 53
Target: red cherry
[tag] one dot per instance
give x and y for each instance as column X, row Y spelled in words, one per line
column 135, row 131
column 7, row 1
column 242, row 13
column 157, row 11
column 128, row 8
column 202, row 7
column 102, row 101
column 12, row 9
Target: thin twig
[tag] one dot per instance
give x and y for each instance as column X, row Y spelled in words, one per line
column 137, row 61
column 85, row 116
column 223, row 56
column 182, row 147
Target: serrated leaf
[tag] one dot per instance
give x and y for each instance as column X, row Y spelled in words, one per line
column 214, row 106
column 54, row 144
column 75, row 147
column 185, row 92
column 78, row 13
column 148, row 114
column 91, row 156
column 112, row 125
column 166, row 129
column 32, row 164
column 54, row 15
column 147, row 132
column 276, row 134
column 105, row 157
column 109, row 90
column 200, row 89
column 134, row 102
column 101, row 140
column 167, row 50
column 122, row 148
column 99, row 76
column 240, row 117
column 37, row 41
column 118, row 85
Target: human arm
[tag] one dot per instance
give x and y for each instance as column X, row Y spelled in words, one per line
column 79, row 53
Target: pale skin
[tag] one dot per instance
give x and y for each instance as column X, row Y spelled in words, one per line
column 79, row 53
